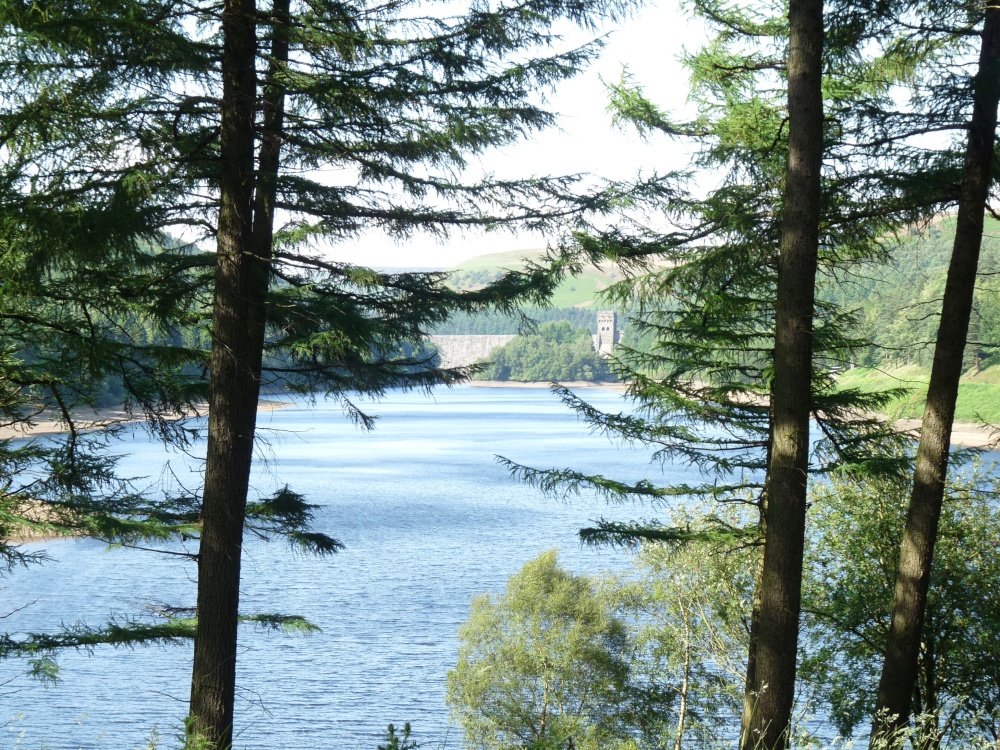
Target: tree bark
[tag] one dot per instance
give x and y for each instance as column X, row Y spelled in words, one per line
column 749, row 694
column 749, row 697
column 270, row 147
column 238, row 324
column 899, row 670
column 781, row 578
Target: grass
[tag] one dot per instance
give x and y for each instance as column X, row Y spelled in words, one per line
column 579, row 291
column 490, row 261
column 978, row 393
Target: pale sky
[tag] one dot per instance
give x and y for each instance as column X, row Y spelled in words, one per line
column 650, row 44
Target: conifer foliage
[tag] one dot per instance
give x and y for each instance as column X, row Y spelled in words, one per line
column 899, row 673
column 721, row 386
column 265, row 131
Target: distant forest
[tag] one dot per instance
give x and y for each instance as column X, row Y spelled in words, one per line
column 558, row 351
column 898, row 303
column 492, row 324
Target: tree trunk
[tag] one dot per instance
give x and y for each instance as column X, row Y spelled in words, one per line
column 781, row 579
column 685, row 681
column 270, row 148
column 899, row 671
column 238, row 323
column 749, row 694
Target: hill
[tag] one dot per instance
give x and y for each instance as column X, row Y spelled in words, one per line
column 579, row 291
column 897, row 305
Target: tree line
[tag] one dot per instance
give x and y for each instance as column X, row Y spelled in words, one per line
column 557, row 352
column 896, row 304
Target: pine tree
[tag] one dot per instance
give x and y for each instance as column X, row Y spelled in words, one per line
column 899, row 672
column 227, row 117
column 709, row 391
column 785, row 512
column 88, row 295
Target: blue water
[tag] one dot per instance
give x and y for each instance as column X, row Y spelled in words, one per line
column 429, row 520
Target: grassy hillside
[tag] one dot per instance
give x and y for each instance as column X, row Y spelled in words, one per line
column 580, row 291
column 897, row 305
column 978, row 394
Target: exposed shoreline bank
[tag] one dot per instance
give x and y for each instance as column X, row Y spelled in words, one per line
column 50, row 424
column 574, row 384
column 965, row 434
column 96, row 419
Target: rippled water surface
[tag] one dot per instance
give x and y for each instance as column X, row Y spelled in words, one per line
column 429, row 520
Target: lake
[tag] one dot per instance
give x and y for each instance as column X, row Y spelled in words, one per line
column 429, row 520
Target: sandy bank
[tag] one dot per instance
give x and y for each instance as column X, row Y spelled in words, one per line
column 966, row 434
column 50, row 424
column 574, row 384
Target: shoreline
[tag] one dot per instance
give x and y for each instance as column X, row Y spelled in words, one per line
column 574, row 384
column 964, row 434
column 47, row 423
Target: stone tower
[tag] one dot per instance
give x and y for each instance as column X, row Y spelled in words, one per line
column 607, row 332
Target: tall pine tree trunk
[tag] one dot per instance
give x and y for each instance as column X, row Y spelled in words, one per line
column 899, row 671
column 238, row 323
column 781, row 576
column 270, row 147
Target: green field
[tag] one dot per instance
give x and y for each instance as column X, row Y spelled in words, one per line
column 978, row 394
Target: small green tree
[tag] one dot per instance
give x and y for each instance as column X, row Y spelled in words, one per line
column 543, row 665
column 690, row 604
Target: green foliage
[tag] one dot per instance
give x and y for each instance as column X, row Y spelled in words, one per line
column 852, row 560
column 287, row 514
column 685, row 608
column 557, row 352
column 642, row 661
column 488, row 323
column 543, row 666
column 688, row 603
column 175, row 626
column 398, row 741
column 898, row 303
column 898, row 307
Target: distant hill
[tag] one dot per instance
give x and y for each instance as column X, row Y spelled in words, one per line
column 898, row 303
column 898, row 306
column 580, row 291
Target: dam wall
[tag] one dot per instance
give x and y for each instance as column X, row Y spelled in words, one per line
column 459, row 351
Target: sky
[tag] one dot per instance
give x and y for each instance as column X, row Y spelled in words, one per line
column 649, row 43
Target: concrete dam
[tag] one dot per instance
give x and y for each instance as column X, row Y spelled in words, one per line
column 459, row 351
column 464, row 350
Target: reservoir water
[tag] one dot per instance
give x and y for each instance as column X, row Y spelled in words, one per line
column 429, row 520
